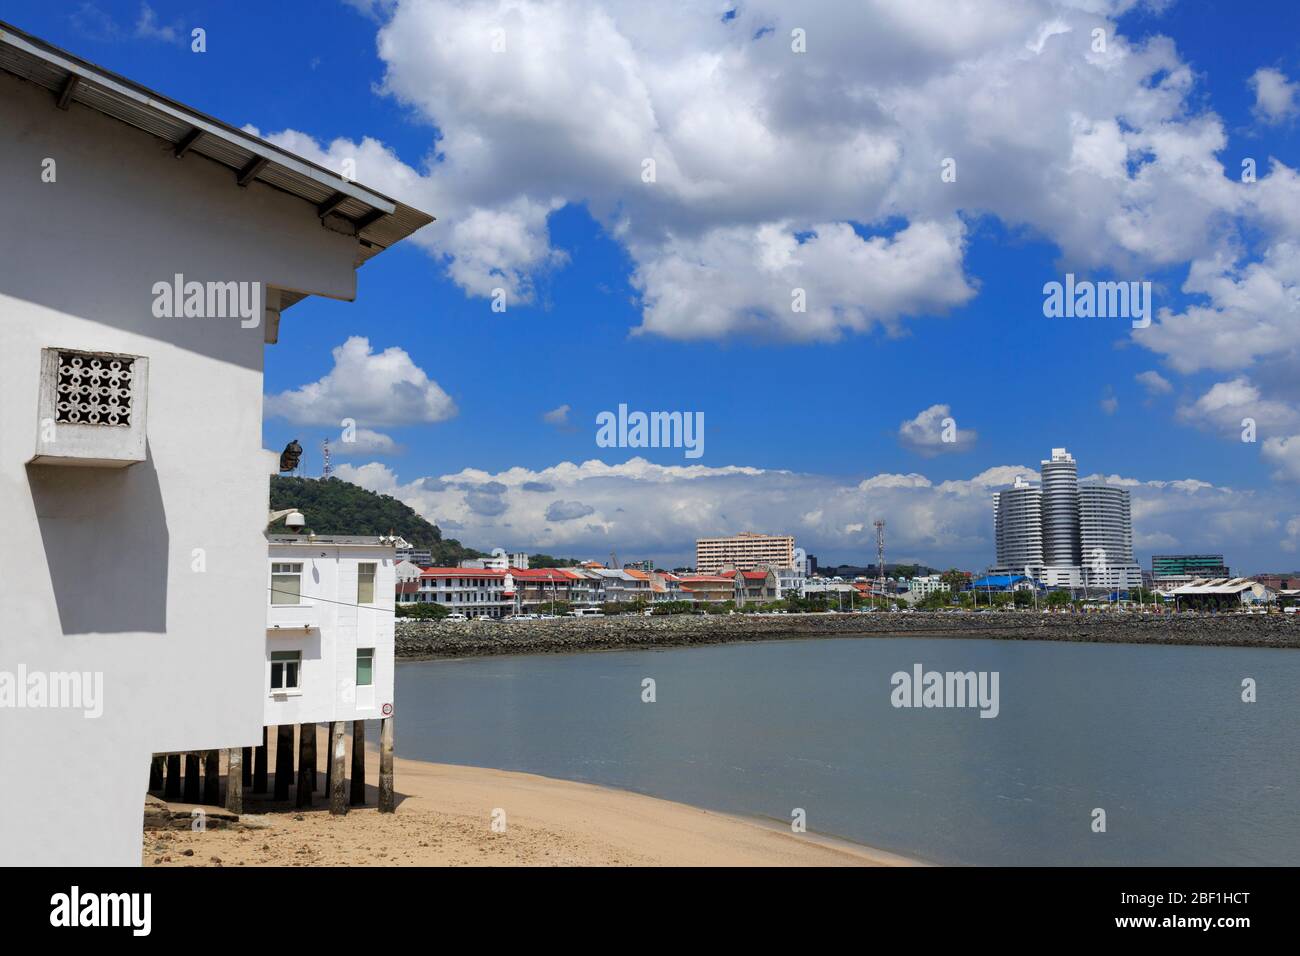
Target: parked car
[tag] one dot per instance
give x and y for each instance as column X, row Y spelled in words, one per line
column 455, row 616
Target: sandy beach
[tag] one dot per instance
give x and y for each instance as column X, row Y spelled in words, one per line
column 445, row 817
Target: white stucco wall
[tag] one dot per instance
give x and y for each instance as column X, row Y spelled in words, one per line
column 338, row 627
column 153, row 574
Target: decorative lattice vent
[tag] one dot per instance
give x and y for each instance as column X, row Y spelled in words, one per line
column 94, row 389
column 92, row 409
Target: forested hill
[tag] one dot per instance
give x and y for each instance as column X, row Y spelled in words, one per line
column 332, row 506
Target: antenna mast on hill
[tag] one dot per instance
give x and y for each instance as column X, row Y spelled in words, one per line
column 325, row 459
column 880, row 554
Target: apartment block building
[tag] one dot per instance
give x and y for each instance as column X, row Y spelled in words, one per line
column 745, row 551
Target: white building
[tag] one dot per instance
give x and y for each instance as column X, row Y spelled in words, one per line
column 1018, row 527
column 499, row 561
column 1106, row 538
column 405, row 571
column 923, row 586
column 329, row 629
column 1066, row 534
column 143, row 571
column 420, row 557
column 474, row 592
column 1062, row 548
column 790, row 581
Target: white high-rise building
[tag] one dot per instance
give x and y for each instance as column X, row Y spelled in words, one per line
column 1066, row 534
column 1106, row 538
column 1061, row 545
column 1018, row 527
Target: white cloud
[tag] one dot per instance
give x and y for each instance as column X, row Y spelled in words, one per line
column 372, row 388
column 1253, row 312
column 365, row 442
column 557, row 416
column 1284, row 454
column 659, row 510
column 934, row 432
column 147, row 27
column 1154, row 382
column 1109, row 403
column 1276, row 98
column 1292, row 539
column 765, row 160
column 745, row 278
column 1225, row 406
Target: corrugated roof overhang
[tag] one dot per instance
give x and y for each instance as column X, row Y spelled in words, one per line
column 375, row 219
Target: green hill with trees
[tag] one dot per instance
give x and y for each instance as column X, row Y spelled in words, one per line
column 332, row 506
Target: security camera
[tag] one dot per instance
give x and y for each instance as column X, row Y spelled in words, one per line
column 294, row 520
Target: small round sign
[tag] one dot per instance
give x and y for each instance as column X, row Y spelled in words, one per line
column 388, row 710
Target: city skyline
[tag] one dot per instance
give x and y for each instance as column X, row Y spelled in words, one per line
column 819, row 422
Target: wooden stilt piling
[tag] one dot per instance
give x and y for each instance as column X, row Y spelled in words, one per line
column 172, row 785
column 259, row 765
column 283, row 761
column 155, row 773
column 212, row 777
column 357, row 796
column 235, row 775
column 193, row 786
column 247, row 762
column 338, row 785
column 387, row 796
column 306, row 764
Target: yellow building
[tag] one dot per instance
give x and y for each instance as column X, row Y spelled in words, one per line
column 744, row 551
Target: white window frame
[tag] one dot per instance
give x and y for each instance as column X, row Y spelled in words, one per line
column 374, row 580
column 286, row 690
column 277, row 570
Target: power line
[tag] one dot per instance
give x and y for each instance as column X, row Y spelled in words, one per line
column 368, row 607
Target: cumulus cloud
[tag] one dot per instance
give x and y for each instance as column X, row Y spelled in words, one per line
column 1226, row 405
column 568, row 510
column 375, row 388
column 774, row 171
column 1276, row 98
column 557, row 416
column 365, row 442
column 1284, row 454
column 1292, row 539
column 934, row 432
column 1154, row 382
column 1109, row 402
column 659, row 510
column 147, row 27
column 812, row 286
column 1252, row 312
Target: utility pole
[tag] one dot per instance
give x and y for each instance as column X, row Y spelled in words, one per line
column 880, row 557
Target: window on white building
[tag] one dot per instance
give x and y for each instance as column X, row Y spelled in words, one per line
column 286, row 583
column 286, row 670
column 365, row 666
column 366, row 583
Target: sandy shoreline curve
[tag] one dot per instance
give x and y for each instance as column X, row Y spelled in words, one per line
column 445, row 817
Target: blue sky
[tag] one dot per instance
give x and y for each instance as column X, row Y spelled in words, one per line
column 825, row 405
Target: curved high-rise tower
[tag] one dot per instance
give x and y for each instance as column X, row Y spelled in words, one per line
column 1106, row 537
column 1018, row 528
column 1061, row 545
